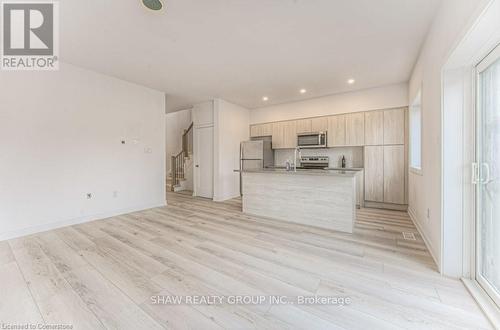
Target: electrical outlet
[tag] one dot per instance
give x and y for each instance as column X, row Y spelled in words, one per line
column 115, row 194
column 89, row 195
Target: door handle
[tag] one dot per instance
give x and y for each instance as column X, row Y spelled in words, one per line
column 197, row 166
column 486, row 179
column 475, row 173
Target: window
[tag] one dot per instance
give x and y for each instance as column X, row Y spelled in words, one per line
column 416, row 133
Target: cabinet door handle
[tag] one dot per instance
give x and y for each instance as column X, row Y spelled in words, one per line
column 197, row 165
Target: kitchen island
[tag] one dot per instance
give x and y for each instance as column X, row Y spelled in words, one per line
column 320, row 198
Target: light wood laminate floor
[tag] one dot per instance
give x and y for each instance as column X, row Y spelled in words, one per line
column 102, row 274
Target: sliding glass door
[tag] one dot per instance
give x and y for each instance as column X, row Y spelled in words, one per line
column 487, row 175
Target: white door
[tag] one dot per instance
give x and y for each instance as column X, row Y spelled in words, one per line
column 487, row 175
column 203, row 162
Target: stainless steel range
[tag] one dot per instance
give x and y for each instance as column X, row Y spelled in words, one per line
column 314, row 162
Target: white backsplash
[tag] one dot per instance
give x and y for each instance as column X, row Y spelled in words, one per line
column 353, row 155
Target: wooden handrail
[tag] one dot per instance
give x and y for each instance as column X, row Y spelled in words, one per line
column 189, row 128
column 187, row 140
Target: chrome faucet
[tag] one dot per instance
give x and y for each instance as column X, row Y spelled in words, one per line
column 297, row 149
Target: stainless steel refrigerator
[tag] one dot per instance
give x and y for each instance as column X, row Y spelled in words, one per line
column 256, row 154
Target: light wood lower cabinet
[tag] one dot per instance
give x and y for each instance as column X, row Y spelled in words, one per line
column 394, row 174
column 385, row 174
column 374, row 173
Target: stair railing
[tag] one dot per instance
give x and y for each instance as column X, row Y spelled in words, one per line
column 177, row 169
column 187, row 141
column 177, row 161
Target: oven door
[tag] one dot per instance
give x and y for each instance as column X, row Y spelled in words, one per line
column 312, row 140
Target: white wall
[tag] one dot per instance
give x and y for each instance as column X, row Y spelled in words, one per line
column 176, row 123
column 231, row 127
column 385, row 97
column 452, row 19
column 60, row 138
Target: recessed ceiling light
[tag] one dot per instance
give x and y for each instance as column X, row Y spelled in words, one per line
column 153, row 4
column 265, row 98
column 303, row 91
column 351, row 81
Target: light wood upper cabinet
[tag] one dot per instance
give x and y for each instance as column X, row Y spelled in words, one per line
column 261, row 130
column 312, row 125
column 336, row 131
column 254, row 130
column 355, row 129
column 374, row 128
column 374, row 173
column 284, row 135
column 394, row 126
column 303, row 126
column 277, row 136
column 394, row 174
column 290, row 134
column 319, row 124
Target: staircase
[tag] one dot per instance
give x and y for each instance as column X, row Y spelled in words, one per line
column 180, row 176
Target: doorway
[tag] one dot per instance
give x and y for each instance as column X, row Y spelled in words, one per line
column 203, row 161
column 486, row 175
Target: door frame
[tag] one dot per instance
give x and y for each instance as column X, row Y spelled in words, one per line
column 196, row 159
column 489, row 59
column 478, row 38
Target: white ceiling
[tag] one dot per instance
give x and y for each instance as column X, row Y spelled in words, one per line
column 241, row 50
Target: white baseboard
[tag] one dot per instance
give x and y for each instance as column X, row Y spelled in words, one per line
column 223, row 198
column 69, row 222
column 427, row 242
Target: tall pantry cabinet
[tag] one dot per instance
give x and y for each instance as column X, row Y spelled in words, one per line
column 385, row 154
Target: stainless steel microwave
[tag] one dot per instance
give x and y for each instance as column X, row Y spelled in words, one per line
column 312, row 140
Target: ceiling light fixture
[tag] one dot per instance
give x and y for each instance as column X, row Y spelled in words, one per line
column 351, row 81
column 265, row 98
column 153, row 4
column 303, row 91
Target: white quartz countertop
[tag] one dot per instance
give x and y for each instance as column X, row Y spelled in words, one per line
column 344, row 173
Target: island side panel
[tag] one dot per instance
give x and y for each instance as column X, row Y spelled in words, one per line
column 316, row 200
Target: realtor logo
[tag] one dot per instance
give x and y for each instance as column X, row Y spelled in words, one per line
column 30, row 35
